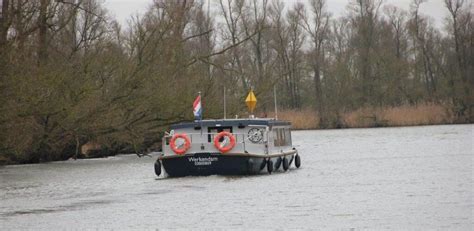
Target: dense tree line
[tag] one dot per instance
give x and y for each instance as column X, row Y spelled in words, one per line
column 70, row 74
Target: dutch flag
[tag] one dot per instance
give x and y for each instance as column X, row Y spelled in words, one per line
column 197, row 108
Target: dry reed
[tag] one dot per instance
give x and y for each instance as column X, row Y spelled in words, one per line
column 300, row 119
column 423, row 114
column 405, row 115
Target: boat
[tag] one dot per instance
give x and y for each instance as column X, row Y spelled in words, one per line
column 244, row 146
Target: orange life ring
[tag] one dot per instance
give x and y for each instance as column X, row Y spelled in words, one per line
column 225, row 148
column 182, row 150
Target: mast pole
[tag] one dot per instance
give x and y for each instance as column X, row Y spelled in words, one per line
column 225, row 113
column 275, row 98
column 202, row 111
column 200, row 101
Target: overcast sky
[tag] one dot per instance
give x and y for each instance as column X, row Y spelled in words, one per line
column 123, row 9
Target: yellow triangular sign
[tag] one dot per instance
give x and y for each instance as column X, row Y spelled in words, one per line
column 251, row 101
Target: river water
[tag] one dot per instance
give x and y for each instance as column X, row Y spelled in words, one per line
column 384, row 178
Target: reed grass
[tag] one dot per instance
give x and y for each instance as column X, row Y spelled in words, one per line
column 362, row 118
column 300, row 119
column 404, row 115
column 424, row 114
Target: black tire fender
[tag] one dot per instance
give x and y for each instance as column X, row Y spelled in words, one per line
column 297, row 161
column 286, row 164
column 270, row 166
column 158, row 168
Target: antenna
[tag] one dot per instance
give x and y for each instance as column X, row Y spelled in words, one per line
column 275, row 98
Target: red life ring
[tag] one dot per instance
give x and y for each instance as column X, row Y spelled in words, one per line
column 182, row 150
column 225, row 148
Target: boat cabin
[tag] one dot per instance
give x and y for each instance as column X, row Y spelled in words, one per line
column 254, row 136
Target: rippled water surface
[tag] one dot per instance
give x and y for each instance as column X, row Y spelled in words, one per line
column 387, row 178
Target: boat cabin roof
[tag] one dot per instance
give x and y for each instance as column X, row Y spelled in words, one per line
column 231, row 122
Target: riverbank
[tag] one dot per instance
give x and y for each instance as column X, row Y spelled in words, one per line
column 307, row 119
column 405, row 115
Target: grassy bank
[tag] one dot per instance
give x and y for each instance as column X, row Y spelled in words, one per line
column 405, row 115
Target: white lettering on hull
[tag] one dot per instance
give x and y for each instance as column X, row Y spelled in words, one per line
column 199, row 161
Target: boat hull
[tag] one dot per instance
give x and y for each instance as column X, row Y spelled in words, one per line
column 204, row 164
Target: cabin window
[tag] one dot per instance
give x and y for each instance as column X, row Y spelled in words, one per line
column 277, row 137
column 288, row 136
column 281, row 133
column 282, row 137
column 214, row 130
column 276, row 141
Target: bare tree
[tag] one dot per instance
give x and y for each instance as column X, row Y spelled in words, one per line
column 318, row 29
column 461, row 27
column 365, row 19
column 397, row 20
column 4, row 22
column 232, row 14
column 421, row 30
column 289, row 38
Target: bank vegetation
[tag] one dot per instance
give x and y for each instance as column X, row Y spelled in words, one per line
column 72, row 77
